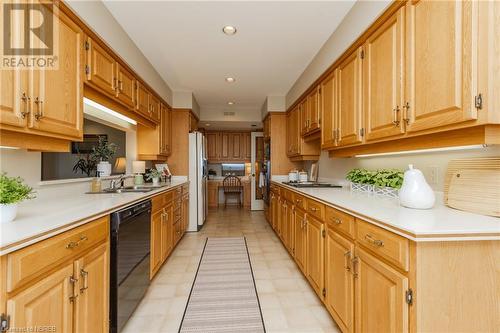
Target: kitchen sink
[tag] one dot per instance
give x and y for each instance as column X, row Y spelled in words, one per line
column 126, row 189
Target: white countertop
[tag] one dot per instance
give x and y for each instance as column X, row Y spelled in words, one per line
column 440, row 223
column 56, row 211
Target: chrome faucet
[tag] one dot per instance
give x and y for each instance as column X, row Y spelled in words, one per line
column 114, row 182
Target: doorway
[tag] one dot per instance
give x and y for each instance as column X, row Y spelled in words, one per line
column 257, row 176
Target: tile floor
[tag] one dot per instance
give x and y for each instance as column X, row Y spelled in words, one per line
column 288, row 302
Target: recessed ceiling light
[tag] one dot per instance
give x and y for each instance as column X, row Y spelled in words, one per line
column 207, row 124
column 230, row 79
column 229, row 30
column 230, row 103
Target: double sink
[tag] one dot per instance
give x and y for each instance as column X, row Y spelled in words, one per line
column 127, row 189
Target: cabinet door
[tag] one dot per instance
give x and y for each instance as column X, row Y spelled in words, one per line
column 92, row 305
column 300, row 240
column 142, row 100
column 212, row 143
column 166, row 232
column 328, row 110
column 15, row 101
column 156, row 231
column 339, row 285
column 126, row 86
column 313, row 109
column 290, row 222
column 235, row 150
column 247, row 142
column 167, row 129
column 224, row 149
column 45, row 303
column 213, row 195
column 57, row 96
column 154, row 107
column 382, row 79
column 442, row 61
column 349, row 100
column 273, row 210
column 315, row 251
column 284, row 219
column 289, row 134
column 100, row 68
column 296, row 138
column 379, row 286
column 304, row 116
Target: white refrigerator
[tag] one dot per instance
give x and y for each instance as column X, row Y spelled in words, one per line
column 198, row 205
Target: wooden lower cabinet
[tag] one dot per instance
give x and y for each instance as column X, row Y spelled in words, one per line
column 300, row 239
column 379, row 291
column 290, row 228
column 167, row 243
column 46, row 303
column 156, row 232
column 339, row 279
column 93, row 304
column 70, row 292
column 315, row 254
column 213, row 195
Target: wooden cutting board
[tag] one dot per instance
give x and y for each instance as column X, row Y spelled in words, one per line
column 473, row 185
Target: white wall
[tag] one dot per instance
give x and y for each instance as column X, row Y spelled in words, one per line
column 273, row 104
column 360, row 17
column 97, row 16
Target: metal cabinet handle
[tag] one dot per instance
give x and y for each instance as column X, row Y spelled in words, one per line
column 313, row 209
column 39, row 103
column 72, row 281
column 355, row 262
column 72, row 245
column 395, row 119
column 26, row 101
column 336, row 220
column 376, row 242
column 84, row 274
column 347, row 255
column 406, row 108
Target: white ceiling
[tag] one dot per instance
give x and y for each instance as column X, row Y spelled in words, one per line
column 275, row 42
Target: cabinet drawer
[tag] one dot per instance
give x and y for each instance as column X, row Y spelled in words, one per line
column 185, row 188
column 35, row 260
column 299, row 201
column 316, row 209
column 178, row 192
column 340, row 221
column 388, row 245
column 161, row 200
column 177, row 214
column 288, row 195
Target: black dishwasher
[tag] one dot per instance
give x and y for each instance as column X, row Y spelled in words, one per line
column 130, row 251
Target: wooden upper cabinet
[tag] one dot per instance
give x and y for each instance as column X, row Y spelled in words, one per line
column 57, row 95
column 225, row 152
column 382, row 79
column 125, row 86
column 142, row 100
column 349, row 103
column 166, row 130
column 100, row 68
column 304, row 117
column 441, row 66
column 45, row 303
column 313, row 109
column 15, row 101
column 379, row 286
column 154, row 107
column 339, row 281
column 236, row 150
column 247, row 143
column 329, row 110
column 212, row 146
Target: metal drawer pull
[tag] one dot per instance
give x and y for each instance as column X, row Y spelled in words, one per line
column 336, row 220
column 354, row 262
column 25, row 100
column 72, row 244
column 348, row 256
column 39, row 103
column 73, row 280
column 313, row 209
column 84, row 275
column 298, row 200
column 376, row 242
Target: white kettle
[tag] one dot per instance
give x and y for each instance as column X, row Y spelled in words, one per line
column 415, row 192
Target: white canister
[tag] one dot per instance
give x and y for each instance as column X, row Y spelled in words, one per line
column 303, row 177
column 293, row 176
column 415, row 192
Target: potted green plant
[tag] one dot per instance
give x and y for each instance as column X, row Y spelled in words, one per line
column 102, row 153
column 12, row 191
column 361, row 180
column 154, row 175
column 382, row 182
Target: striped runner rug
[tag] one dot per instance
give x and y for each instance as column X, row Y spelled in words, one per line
column 223, row 297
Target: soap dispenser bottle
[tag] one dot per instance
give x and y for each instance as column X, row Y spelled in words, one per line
column 415, row 192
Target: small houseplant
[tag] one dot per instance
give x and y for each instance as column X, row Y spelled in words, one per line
column 102, row 153
column 361, row 180
column 383, row 182
column 12, row 191
column 154, row 175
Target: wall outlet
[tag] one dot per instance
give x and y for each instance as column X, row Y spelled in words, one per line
column 433, row 174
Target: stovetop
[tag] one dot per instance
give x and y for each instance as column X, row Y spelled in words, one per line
column 311, row 184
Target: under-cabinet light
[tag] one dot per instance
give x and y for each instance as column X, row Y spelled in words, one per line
column 431, row 150
column 108, row 111
column 7, row 147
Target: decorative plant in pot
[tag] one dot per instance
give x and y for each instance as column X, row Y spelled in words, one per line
column 154, row 175
column 102, row 153
column 384, row 181
column 12, row 191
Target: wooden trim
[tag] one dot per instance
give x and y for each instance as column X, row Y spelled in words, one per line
column 33, row 142
column 396, row 4
column 270, row 113
column 483, row 134
column 97, row 39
